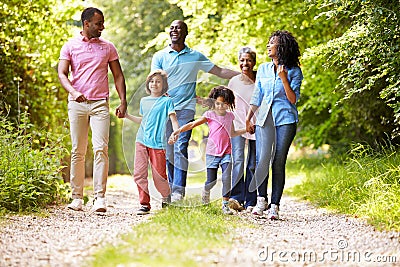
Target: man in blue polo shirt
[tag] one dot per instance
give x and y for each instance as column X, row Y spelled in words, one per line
column 182, row 65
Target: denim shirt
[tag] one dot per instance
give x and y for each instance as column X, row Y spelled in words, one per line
column 269, row 93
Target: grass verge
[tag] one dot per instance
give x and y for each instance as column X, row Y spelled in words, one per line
column 364, row 183
column 174, row 236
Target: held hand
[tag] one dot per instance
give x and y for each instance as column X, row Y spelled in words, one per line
column 121, row 110
column 201, row 101
column 250, row 128
column 172, row 139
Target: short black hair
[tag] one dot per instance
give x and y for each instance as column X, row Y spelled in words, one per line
column 88, row 13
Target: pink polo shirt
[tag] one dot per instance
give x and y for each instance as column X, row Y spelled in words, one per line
column 89, row 65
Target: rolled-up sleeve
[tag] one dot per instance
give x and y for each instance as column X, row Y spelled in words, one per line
column 258, row 93
column 257, row 96
column 296, row 81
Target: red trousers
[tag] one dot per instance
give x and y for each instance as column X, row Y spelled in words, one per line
column 156, row 157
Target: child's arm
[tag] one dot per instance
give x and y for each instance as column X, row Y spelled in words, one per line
column 188, row 126
column 237, row 132
column 133, row 118
column 174, row 121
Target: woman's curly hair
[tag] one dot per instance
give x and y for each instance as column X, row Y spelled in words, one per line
column 287, row 50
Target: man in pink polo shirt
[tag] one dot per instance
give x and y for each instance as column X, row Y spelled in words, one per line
column 89, row 57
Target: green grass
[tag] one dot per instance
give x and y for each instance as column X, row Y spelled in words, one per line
column 195, row 178
column 364, row 184
column 174, row 236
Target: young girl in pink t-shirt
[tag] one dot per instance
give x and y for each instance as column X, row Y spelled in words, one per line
column 218, row 151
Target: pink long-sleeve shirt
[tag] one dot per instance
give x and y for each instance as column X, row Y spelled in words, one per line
column 219, row 139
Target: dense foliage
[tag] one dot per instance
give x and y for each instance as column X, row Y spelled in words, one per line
column 132, row 25
column 31, row 35
column 364, row 104
column 32, row 149
column 30, row 167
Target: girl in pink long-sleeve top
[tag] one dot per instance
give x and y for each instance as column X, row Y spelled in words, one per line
column 218, row 152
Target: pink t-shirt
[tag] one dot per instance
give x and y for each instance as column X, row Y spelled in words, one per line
column 219, row 138
column 243, row 92
column 89, row 65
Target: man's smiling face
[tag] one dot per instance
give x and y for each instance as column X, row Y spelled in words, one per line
column 177, row 32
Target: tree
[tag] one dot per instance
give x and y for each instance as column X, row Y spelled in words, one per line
column 32, row 102
column 29, row 50
column 366, row 60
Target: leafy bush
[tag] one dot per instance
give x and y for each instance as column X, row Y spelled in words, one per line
column 362, row 104
column 30, row 169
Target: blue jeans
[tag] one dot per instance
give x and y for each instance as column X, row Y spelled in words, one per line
column 213, row 162
column 177, row 154
column 284, row 136
column 240, row 182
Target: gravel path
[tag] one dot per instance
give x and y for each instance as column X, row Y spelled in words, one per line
column 66, row 237
column 304, row 236
column 307, row 236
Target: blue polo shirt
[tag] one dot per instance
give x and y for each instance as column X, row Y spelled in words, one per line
column 269, row 93
column 182, row 69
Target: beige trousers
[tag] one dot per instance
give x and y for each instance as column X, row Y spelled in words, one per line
column 96, row 115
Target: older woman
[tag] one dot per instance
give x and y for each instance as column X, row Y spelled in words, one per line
column 242, row 196
column 276, row 92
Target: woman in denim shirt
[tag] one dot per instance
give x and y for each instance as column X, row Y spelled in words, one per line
column 276, row 93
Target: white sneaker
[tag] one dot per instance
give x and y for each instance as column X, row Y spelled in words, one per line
column 273, row 212
column 205, row 196
column 165, row 202
column 226, row 210
column 176, row 197
column 249, row 209
column 76, row 204
column 260, row 206
column 99, row 204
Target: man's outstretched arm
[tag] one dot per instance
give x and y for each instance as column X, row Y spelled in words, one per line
column 223, row 73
